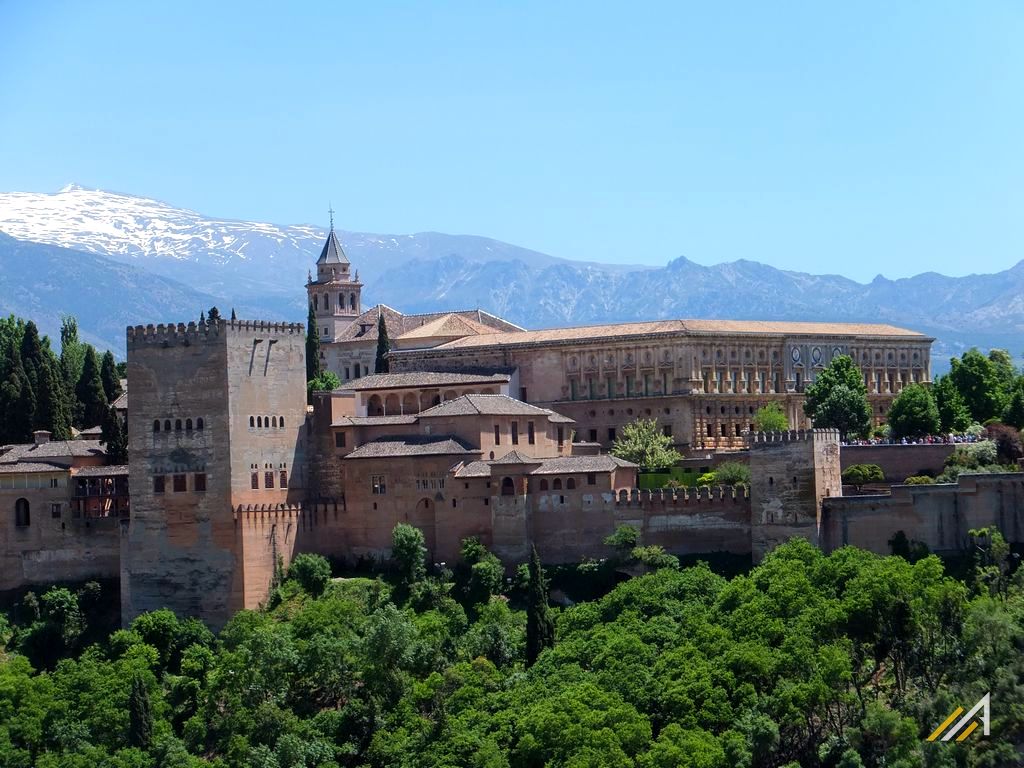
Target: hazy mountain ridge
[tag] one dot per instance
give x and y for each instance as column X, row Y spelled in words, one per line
column 260, row 269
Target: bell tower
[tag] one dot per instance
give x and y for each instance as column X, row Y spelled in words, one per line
column 335, row 293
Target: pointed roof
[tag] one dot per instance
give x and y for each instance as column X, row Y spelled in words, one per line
column 515, row 457
column 449, row 324
column 332, row 253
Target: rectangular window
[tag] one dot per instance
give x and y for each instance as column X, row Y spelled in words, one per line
column 531, row 434
column 666, row 430
column 254, row 481
column 590, row 388
column 158, row 484
column 722, row 430
column 268, row 479
column 55, row 511
column 378, row 486
column 284, row 478
column 347, row 376
column 199, row 482
column 664, row 384
column 325, row 331
column 647, row 385
column 572, row 389
column 611, row 434
column 629, row 386
column 180, row 483
column 522, row 394
column 356, row 371
column 611, row 388
column 515, row 433
column 54, row 482
column 591, row 478
column 739, row 430
column 497, row 434
column 339, row 439
column 561, row 436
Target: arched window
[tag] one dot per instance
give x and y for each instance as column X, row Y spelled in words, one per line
column 188, row 425
column 273, row 421
column 570, row 484
column 557, row 484
column 22, row 518
column 167, row 425
column 316, row 302
column 177, row 425
column 280, row 422
column 266, row 421
column 252, row 421
column 508, row 488
column 327, row 301
column 543, row 484
column 199, row 423
column 351, row 301
column 156, row 425
column 259, row 422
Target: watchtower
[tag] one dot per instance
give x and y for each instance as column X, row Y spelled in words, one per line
column 335, row 295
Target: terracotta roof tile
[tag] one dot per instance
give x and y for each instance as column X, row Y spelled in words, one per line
column 412, row 445
column 561, row 465
column 373, row 421
column 423, row 379
column 107, row 471
column 486, row 405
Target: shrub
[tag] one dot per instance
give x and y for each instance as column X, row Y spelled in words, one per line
column 655, row 557
column 312, row 572
column 708, row 478
column 859, row 475
column 919, row 480
column 732, row 473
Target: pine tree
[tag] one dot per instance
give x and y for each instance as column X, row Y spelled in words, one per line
column 312, row 347
column 52, row 411
column 89, row 391
column 540, row 627
column 110, row 378
column 113, row 438
column 140, row 715
column 383, row 347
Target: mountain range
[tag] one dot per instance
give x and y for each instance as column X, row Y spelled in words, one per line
column 113, row 259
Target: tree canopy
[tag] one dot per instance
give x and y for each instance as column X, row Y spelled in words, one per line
column 914, row 413
column 837, row 399
column 771, row 418
column 381, row 364
column 644, row 444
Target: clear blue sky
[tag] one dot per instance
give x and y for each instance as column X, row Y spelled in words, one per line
column 854, row 138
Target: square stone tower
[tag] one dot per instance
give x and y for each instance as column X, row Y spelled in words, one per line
column 215, row 425
column 791, row 472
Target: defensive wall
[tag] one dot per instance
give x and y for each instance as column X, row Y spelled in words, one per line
column 898, row 462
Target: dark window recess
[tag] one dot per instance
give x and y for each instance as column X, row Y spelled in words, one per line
column 55, row 511
column 200, row 482
column 268, row 479
column 497, row 434
column 531, row 433
column 180, row 483
column 611, row 434
column 591, row 478
column 593, row 435
column 158, row 484
column 284, row 478
column 254, row 481
column 339, row 439
column 515, row 433
column 666, row 430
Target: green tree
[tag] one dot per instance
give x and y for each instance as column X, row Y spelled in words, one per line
column 642, row 443
column 313, row 367
column 914, row 413
column 313, row 572
column 32, row 356
column 409, row 552
column 838, row 399
column 1014, row 411
column 540, row 627
column 859, row 475
column 113, row 437
column 140, row 714
column 72, row 353
column 16, row 399
column 89, row 391
column 109, row 376
column 327, row 381
column 381, row 365
column 981, row 383
column 214, row 315
column 732, row 473
column 623, row 540
column 771, row 418
column 52, row 410
column 953, row 413
column 479, row 574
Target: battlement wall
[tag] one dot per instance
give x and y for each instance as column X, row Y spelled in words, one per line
column 758, row 440
column 168, row 334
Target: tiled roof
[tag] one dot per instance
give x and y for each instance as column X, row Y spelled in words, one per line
column 487, row 405
column 364, row 327
column 372, row 421
column 558, row 418
column 515, row 457
column 681, row 327
column 332, row 252
column 412, row 445
column 121, row 403
column 423, row 379
column 92, row 433
column 55, row 449
column 113, row 469
column 29, row 467
column 447, row 325
column 562, row 465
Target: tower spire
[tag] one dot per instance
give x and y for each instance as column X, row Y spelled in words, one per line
column 330, row 210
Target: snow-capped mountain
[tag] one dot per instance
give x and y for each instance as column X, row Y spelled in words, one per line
column 261, row 269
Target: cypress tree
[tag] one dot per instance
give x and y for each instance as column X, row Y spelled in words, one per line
column 72, row 358
column 90, row 391
column 113, row 438
column 140, row 715
column 383, row 347
column 233, row 317
column 202, row 317
column 51, row 402
column 17, row 401
column 108, row 375
column 312, row 347
column 32, row 358
column 540, row 627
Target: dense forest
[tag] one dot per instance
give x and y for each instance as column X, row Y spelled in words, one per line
column 845, row 660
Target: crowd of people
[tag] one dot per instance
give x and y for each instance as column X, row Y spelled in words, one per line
column 949, row 439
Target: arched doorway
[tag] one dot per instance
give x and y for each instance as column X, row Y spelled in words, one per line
column 424, row 517
column 508, row 488
column 375, row 407
column 22, row 517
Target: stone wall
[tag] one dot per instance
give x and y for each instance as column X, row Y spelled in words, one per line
column 937, row 515
column 899, row 462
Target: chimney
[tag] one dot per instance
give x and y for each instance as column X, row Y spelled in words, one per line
column 40, row 436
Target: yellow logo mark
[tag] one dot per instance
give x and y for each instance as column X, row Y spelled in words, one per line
column 967, row 724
